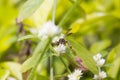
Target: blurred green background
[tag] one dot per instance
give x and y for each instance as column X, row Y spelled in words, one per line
column 95, row 24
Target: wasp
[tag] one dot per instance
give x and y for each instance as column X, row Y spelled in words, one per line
column 63, row 41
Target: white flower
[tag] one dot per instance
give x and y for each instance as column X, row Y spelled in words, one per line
column 56, row 38
column 99, row 61
column 97, row 57
column 100, row 76
column 76, row 75
column 49, row 29
column 61, row 48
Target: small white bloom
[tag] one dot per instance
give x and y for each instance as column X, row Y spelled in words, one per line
column 56, row 38
column 61, row 48
column 97, row 57
column 100, row 76
column 49, row 29
column 76, row 75
column 99, row 61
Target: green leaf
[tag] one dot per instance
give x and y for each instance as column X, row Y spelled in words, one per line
column 84, row 54
column 40, row 77
column 40, row 49
column 25, row 37
column 99, row 46
column 14, row 69
column 29, row 8
column 42, row 13
column 116, row 13
column 80, row 9
column 114, row 53
column 64, row 19
column 6, row 42
column 117, row 4
column 114, row 69
column 4, row 74
column 114, row 59
column 67, row 67
column 81, row 25
column 37, row 57
column 27, row 64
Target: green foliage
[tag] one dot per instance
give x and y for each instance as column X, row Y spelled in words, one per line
column 42, row 47
column 26, row 37
column 28, row 9
column 84, row 55
column 114, row 59
column 99, row 46
column 95, row 24
column 68, row 13
column 37, row 54
column 13, row 68
column 4, row 74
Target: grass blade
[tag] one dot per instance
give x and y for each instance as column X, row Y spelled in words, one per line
column 84, row 54
column 64, row 19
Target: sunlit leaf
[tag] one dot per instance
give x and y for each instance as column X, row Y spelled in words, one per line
column 14, row 69
column 26, row 37
column 29, row 8
column 114, row 59
column 114, row 53
column 84, row 54
column 64, row 19
column 81, row 25
column 117, row 4
column 114, row 69
column 99, row 46
column 6, row 43
column 4, row 74
column 42, row 13
column 116, row 13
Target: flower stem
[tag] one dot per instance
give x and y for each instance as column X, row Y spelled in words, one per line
column 51, row 57
column 51, row 68
column 99, row 69
column 65, row 64
column 54, row 10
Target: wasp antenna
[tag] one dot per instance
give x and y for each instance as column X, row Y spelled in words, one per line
column 68, row 31
column 69, row 34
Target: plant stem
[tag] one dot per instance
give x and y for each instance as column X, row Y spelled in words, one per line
column 51, row 57
column 99, row 69
column 60, row 76
column 51, row 68
column 65, row 64
column 41, row 48
column 54, row 11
